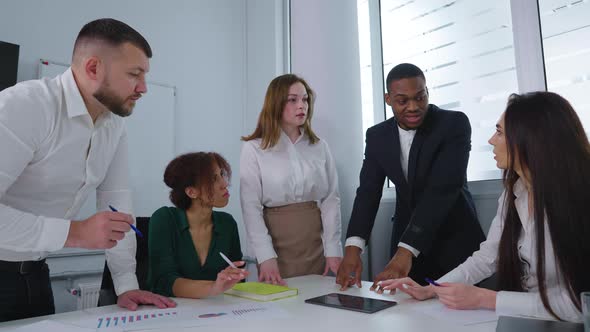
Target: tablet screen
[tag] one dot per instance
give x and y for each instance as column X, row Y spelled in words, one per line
column 351, row 302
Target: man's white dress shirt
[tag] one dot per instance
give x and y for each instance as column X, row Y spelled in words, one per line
column 406, row 137
column 285, row 174
column 482, row 264
column 52, row 157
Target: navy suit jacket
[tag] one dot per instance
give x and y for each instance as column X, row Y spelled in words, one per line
column 434, row 210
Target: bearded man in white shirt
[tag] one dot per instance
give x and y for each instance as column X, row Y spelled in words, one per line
column 61, row 139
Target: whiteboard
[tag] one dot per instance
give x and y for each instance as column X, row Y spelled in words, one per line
column 150, row 130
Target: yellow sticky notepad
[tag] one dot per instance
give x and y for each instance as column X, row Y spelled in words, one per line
column 259, row 291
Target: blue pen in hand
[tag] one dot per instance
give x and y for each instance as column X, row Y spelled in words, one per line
column 432, row 282
column 132, row 227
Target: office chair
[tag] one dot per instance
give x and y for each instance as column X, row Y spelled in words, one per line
column 107, row 294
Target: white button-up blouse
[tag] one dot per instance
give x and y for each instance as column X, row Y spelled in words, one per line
column 285, row 174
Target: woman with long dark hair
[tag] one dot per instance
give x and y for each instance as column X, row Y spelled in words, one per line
column 538, row 243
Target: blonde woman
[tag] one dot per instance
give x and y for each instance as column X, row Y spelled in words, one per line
column 289, row 188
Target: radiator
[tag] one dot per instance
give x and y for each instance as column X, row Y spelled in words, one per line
column 87, row 294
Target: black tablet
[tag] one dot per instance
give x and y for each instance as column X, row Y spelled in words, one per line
column 351, row 302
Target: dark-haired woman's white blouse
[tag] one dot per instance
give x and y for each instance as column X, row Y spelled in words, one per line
column 482, row 264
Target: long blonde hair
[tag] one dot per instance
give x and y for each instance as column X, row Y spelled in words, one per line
column 269, row 120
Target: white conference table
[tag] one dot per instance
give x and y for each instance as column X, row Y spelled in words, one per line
column 302, row 316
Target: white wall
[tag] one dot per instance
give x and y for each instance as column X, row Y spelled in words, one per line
column 324, row 51
column 219, row 54
column 266, row 53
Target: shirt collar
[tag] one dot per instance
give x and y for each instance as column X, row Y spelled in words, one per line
column 74, row 102
column 519, row 188
column 182, row 219
column 184, row 226
column 285, row 137
column 404, row 132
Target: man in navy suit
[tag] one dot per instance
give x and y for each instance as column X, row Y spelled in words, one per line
column 424, row 151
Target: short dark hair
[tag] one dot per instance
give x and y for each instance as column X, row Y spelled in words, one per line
column 192, row 169
column 114, row 33
column 403, row 70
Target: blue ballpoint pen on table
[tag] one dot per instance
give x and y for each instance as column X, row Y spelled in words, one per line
column 132, row 227
column 432, row 282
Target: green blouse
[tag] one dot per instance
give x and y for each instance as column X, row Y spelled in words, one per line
column 172, row 253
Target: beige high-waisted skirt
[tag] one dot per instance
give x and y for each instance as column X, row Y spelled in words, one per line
column 296, row 232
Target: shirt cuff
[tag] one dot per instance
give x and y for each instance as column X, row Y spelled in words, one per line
column 413, row 250
column 512, row 303
column 454, row 275
column 356, row 241
column 264, row 254
column 125, row 282
column 333, row 250
column 55, row 233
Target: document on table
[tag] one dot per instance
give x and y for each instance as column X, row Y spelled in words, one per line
column 51, row 326
column 461, row 317
column 180, row 317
